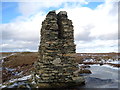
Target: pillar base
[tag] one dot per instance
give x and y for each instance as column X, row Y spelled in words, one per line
column 77, row 81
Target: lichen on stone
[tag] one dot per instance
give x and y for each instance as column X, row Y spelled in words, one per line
column 56, row 63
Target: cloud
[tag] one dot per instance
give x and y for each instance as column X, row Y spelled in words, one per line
column 85, row 34
column 28, row 8
column 97, row 23
column 95, row 30
column 95, row 26
column 97, row 46
column 22, row 35
column 22, row 30
column 12, row 45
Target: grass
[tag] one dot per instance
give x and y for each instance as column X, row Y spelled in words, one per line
column 23, row 61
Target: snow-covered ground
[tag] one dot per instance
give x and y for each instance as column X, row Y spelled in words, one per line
column 2, row 59
column 89, row 60
column 14, row 80
column 108, row 66
column 103, row 61
column 8, row 55
column 20, row 79
column 114, row 62
column 2, row 86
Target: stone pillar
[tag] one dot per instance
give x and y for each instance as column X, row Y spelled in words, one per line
column 56, row 64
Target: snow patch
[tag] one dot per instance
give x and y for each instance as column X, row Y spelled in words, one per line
column 2, row 86
column 9, row 69
column 9, row 55
column 95, row 65
column 88, row 60
column 20, row 79
column 37, row 76
column 106, row 65
column 2, row 61
column 16, row 84
column 80, row 65
column 114, row 62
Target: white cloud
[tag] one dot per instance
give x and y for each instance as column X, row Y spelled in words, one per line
column 94, row 30
column 26, row 30
column 14, row 45
column 22, row 35
column 99, row 22
column 28, row 8
column 97, row 46
column 105, row 22
column 98, row 26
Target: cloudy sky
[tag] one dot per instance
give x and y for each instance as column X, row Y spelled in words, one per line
column 95, row 24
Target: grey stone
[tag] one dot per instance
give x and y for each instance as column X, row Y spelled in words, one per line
column 56, row 61
column 63, row 13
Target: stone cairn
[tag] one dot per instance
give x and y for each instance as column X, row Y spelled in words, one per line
column 56, row 64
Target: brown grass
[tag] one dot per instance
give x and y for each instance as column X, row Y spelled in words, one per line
column 79, row 59
column 21, row 62
column 3, row 54
column 24, row 61
column 21, row 59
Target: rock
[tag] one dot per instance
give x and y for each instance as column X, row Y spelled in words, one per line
column 62, row 13
column 85, row 66
column 84, row 71
column 56, row 61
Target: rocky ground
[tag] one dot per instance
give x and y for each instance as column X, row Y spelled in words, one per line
column 98, row 58
column 18, row 65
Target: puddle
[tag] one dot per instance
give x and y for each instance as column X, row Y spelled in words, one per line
column 102, row 77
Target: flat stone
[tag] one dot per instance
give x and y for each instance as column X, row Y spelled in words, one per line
column 57, row 61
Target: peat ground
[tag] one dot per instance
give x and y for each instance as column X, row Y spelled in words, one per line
column 19, row 64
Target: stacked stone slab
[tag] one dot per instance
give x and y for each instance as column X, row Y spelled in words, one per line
column 56, row 61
